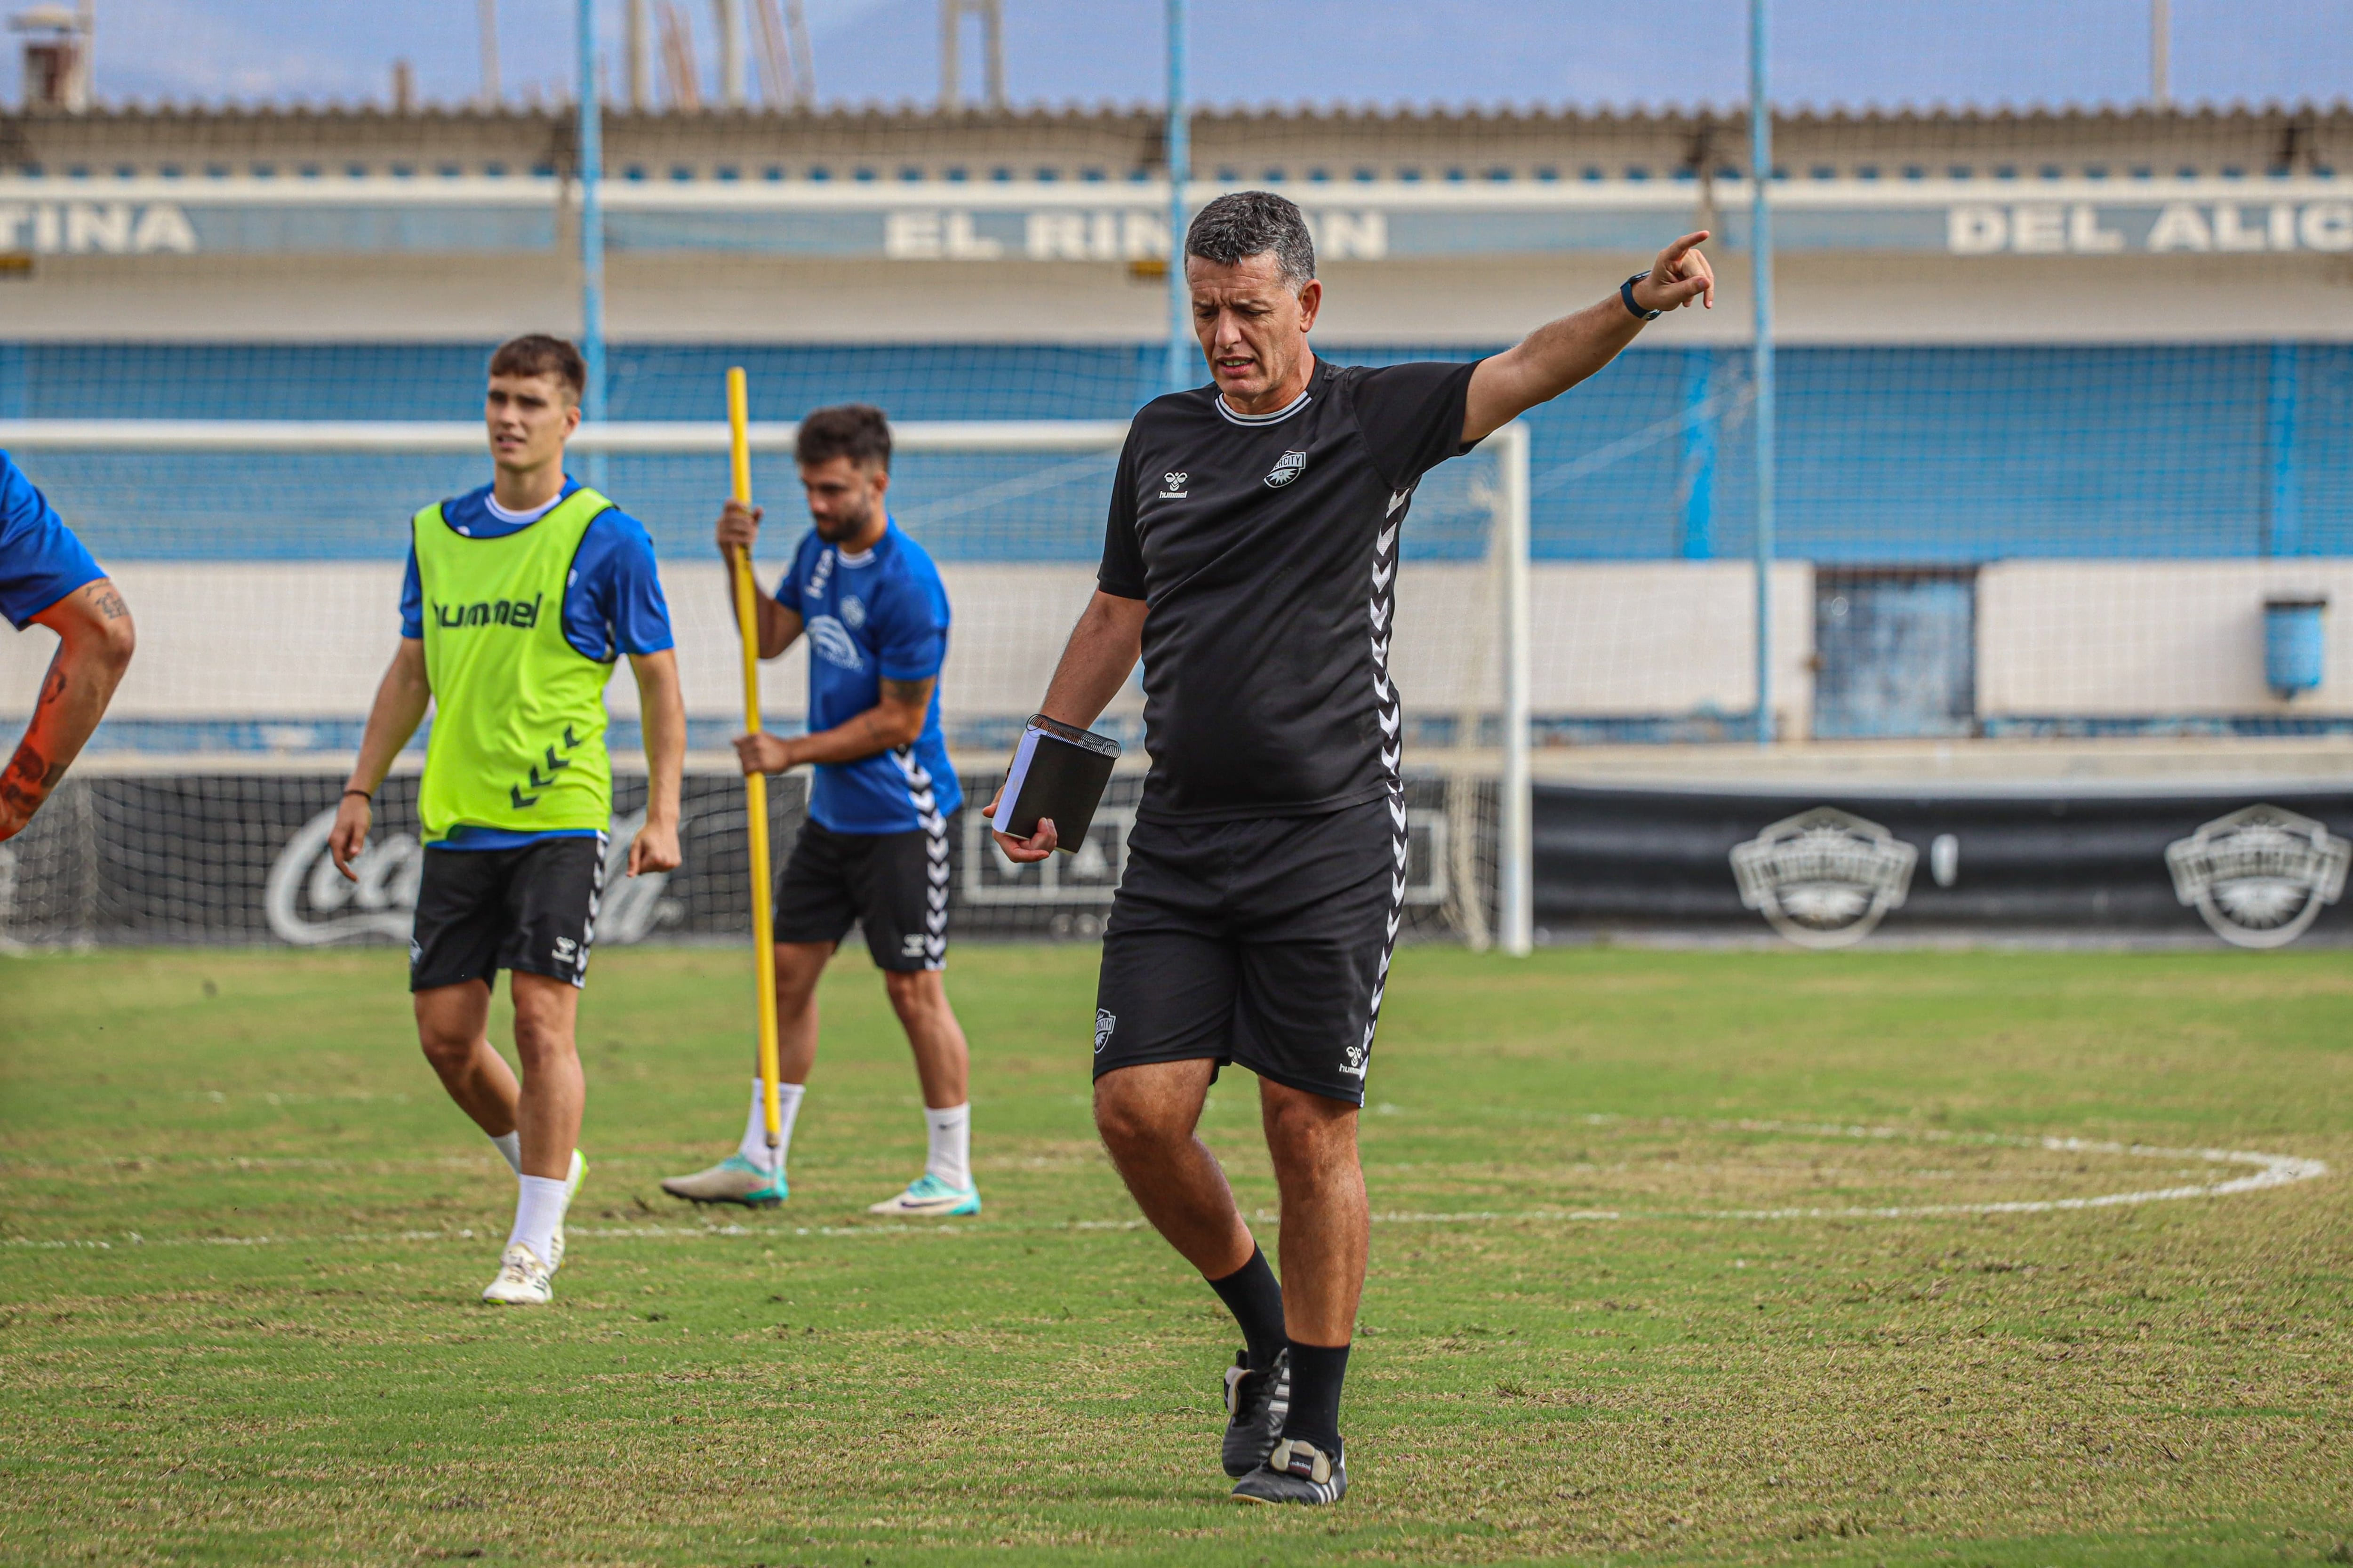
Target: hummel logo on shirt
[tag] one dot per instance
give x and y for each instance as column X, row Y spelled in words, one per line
column 496, row 613
column 1176, row 490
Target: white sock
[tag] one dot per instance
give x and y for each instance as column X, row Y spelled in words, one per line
column 539, row 1209
column 951, row 1159
column 755, row 1147
column 511, row 1145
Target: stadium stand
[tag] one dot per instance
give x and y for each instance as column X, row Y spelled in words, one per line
column 2065, row 398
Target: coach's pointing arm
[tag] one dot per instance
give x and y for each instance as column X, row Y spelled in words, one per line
column 1556, row 357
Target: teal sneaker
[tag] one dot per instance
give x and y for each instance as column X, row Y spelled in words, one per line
column 928, row 1197
column 734, row 1180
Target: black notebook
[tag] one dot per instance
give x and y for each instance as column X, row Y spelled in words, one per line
column 1059, row 773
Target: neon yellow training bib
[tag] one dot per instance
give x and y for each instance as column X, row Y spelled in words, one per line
column 518, row 737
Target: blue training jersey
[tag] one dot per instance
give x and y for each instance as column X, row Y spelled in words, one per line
column 613, row 604
column 881, row 614
column 40, row 559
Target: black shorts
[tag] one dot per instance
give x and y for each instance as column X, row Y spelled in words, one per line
column 481, row 911
column 1263, row 943
column 894, row 884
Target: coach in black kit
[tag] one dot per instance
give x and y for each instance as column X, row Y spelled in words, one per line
column 1252, row 561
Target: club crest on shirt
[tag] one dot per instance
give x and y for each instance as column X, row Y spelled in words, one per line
column 853, row 610
column 834, row 644
column 1287, row 467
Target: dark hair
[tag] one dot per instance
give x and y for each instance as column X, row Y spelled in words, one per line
column 1243, row 224
column 854, row 430
column 536, row 353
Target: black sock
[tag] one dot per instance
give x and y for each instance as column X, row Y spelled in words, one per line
column 1254, row 1297
column 1316, row 1373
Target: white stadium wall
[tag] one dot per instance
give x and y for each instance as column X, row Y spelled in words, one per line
column 1648, row 638
column 308, row 642
column 2101, row 639
column 2054, row 639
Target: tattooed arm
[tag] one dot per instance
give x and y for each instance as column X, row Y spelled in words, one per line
column 94, row 643
column 896, row 720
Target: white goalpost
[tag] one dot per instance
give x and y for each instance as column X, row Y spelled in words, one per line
column 263, row 559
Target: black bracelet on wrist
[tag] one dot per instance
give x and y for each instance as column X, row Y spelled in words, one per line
column 1626, row 294
column 363, row 794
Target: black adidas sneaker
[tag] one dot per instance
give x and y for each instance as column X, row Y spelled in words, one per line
column 1256, row 1404
column 1297, row 1471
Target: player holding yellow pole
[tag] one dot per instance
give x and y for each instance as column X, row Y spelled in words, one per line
column 873, row 853
column 756, row 786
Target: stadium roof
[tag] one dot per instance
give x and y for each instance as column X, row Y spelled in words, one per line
column 1104, row 142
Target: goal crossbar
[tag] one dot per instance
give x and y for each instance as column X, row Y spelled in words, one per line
column 662, row 436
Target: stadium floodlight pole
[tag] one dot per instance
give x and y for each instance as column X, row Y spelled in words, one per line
column 592, row 235
column 1184, row 368
column 1761, row 250
column 755, row 784
column 486, row 20
column 1515, row 846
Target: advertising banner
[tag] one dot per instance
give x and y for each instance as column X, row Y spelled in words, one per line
column 2254, row 869
column 242, row 857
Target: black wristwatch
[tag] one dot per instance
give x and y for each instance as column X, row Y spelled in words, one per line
column 1626, row 293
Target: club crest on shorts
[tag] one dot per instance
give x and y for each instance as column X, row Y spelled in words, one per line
column 1824, row 877
column 1287, row 467
column 2259, row 876
column 1104, row 1023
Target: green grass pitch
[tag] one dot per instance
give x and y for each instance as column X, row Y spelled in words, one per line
column 1617, row 1311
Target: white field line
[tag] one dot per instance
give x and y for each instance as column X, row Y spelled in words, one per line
column 2269, row 1171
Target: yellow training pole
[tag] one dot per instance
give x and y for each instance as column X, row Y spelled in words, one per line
column 756, row 786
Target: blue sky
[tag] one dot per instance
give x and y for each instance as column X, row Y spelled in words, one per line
column 1585, row 53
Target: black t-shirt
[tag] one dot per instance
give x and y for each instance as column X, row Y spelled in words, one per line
column 1266, row 548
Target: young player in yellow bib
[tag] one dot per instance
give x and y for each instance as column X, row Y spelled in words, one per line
column 519, row 598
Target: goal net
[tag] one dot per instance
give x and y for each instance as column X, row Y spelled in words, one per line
column 264, row 560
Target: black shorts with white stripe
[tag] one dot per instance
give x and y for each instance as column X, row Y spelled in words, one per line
column 531, row 910
column 894, row 884
column 1264, row 943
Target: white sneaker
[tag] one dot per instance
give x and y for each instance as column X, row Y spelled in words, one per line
column 523, row 1280
column 571, row 1191
column 929, row 1198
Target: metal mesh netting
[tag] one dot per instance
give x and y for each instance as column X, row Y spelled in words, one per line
column 240, row 856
